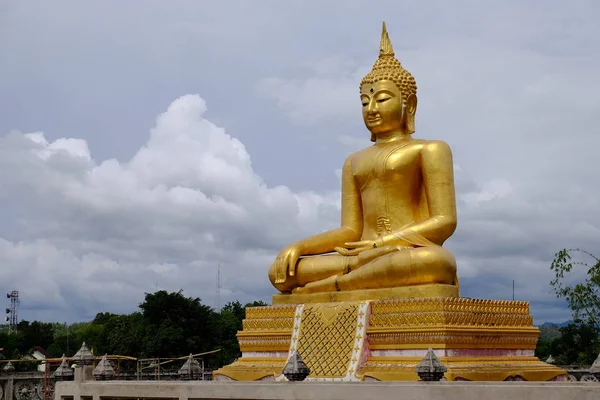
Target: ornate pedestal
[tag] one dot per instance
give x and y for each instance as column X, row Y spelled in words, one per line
column 478, row 340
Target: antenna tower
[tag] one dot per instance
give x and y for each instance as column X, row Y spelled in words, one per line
column 12, row 311
column 219, row 287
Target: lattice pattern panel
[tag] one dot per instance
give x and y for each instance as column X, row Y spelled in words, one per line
column 327, row 338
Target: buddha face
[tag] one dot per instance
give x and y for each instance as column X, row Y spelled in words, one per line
column 382, row 107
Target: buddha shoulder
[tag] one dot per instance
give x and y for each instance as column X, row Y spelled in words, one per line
column 435, row 149
column 433, row 146
column 427, row 148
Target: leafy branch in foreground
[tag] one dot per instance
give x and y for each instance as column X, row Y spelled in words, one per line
column 583, row 298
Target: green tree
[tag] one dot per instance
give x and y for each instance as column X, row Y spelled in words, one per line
column 583, row 298
column 124, row 334
column 236, row 308
column 102, row 318
column 167, row 325
column 578, row 344
column 176, row 325
column 548, row 335
column 34, row 334
column 543, row 348
column 228, row 323
column 69, row 338
column 11, row 343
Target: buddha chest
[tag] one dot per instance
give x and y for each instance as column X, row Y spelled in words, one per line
column 393, row 164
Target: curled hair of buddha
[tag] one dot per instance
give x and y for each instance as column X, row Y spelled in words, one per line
column 387, row 67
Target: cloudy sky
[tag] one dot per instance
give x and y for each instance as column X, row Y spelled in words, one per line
column 142, row 144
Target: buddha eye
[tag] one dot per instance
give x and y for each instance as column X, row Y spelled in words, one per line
column 382, row 100
column 365, row 104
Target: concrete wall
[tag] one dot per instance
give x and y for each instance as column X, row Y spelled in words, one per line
column 12, row 385
column 326, row 391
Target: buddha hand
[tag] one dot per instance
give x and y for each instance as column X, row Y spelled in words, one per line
column 286, row 262
column 355, row 248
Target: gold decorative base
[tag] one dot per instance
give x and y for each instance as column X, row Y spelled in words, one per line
column 478, row 340
column 417, row 291
column 264, row 343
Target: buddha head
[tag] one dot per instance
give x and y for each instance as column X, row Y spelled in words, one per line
column 388, row 93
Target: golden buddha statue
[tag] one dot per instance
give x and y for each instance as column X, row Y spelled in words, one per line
column 398, row 202
column 367, row 300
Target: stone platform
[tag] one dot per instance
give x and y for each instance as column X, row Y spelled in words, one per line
column 383, row 340
column 161, row 390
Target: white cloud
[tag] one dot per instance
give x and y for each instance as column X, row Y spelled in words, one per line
column 330, row 93
column 188, row 200
column 494, row 189
column 72, row 147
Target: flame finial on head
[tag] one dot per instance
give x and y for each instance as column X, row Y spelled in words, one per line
column 386, row 45
column 388, row 67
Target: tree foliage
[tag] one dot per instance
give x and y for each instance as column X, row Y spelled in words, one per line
column 166, row 325
column 579, row 342
column 175, row 323
column 576, row 344
column 583, row 298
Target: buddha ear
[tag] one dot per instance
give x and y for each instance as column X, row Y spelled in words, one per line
column 411, row 110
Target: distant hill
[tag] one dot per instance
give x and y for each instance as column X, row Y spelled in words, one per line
column 556, row 324
column 550, row 330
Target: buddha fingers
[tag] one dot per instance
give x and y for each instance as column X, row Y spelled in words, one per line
column 280, row 269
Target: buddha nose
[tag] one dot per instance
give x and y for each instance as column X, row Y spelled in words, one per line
column 372, row 108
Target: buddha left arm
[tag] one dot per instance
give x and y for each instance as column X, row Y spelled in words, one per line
column 438, row 179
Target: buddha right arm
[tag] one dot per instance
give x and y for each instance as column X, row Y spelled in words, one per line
column 352, row 221
column 326, row 242
column 323, row 243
